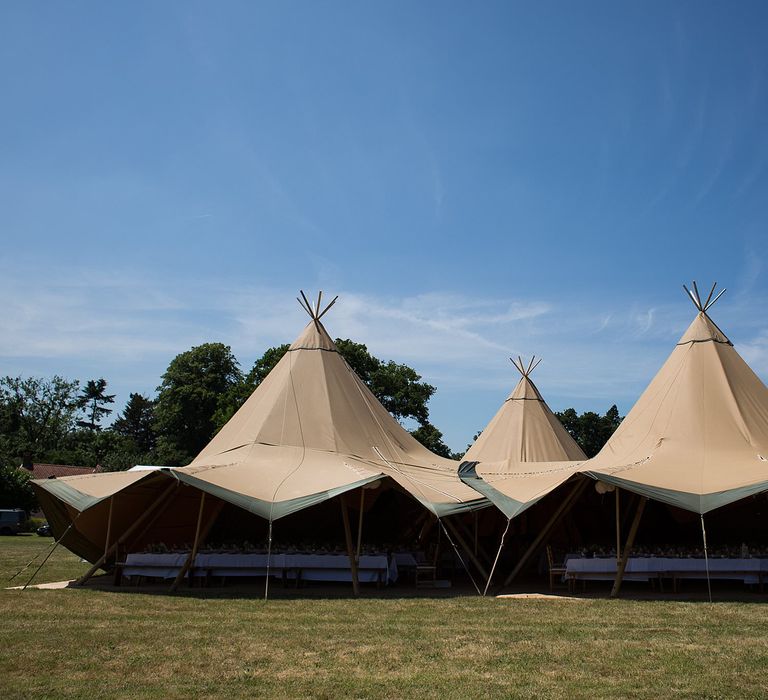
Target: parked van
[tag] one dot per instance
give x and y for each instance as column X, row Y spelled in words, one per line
column 11, row 520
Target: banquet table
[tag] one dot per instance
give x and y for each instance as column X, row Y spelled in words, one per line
column 752, row 571
column 375, row 568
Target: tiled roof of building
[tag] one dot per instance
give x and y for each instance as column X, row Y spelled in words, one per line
column 47, row 471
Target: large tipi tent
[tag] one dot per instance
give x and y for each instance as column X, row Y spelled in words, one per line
column 697, row 438
column 524, row 452
column 311, row 431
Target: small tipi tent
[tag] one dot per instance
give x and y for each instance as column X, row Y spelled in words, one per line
column 523, row 453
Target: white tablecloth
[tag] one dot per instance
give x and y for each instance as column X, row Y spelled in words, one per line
column 405, row 559
column 310, row 567
column 644, row 568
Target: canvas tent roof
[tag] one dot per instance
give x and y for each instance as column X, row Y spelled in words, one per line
column 313, row 429
column 697, row 438
column 523, row 453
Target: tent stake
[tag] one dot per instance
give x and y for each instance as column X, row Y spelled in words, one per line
column 561, row 511
column 350, row 550
column 193, row 553
column 628, row 548
column 125, row 535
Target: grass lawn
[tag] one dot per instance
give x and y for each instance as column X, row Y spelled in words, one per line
column 90, row 643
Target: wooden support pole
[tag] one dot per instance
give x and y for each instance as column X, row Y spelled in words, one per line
column 562, row 510
column 436, row 557
column 125, row 535
column 158, row 513
column 429, row 523
column 618, row 528
column 628, row 548
column 350, row 549
column 360, row 523
column 191, row 558
column 455, row 532
column 485, row 557
column 109, row 523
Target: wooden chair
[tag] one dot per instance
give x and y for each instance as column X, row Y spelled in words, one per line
column 426, row 570
column 556, row 571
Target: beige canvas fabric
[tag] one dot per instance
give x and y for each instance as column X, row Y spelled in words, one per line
column 524, row 430
column 697, row 438
column 82, row 492
column 523, row 453
column 312, row 429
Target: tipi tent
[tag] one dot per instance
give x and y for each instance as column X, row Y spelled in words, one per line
column 697, row 438
column 523, row 453
column 311, row 430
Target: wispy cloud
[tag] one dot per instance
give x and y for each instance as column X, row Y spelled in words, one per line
column 127, row 327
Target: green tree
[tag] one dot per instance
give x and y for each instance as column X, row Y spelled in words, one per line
column 15, row 491
column 36, row 416
column 93, row 401
column 192, row 390
column 137, row 422
column 429, row 436
column 589, row 429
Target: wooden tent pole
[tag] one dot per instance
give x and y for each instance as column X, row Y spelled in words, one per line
column 154, row 518
column 124, row 536
column 429, row 523
column 468, row 550
column 459, row 523
column 193, row 553
column 618, row 527
column 109, row 523
column 628, row 548
column 360, row 522
column 350, row 549
column 561, row 511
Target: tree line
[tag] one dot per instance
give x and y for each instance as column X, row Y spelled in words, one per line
column 61, row 421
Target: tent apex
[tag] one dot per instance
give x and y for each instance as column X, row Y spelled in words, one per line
column 703, row 307
column 314, row 313
column 520, row 365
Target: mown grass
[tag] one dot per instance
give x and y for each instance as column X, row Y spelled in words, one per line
column 91, row 643
column 18, row 550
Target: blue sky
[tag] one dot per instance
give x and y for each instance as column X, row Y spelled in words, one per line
column 473, row 180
